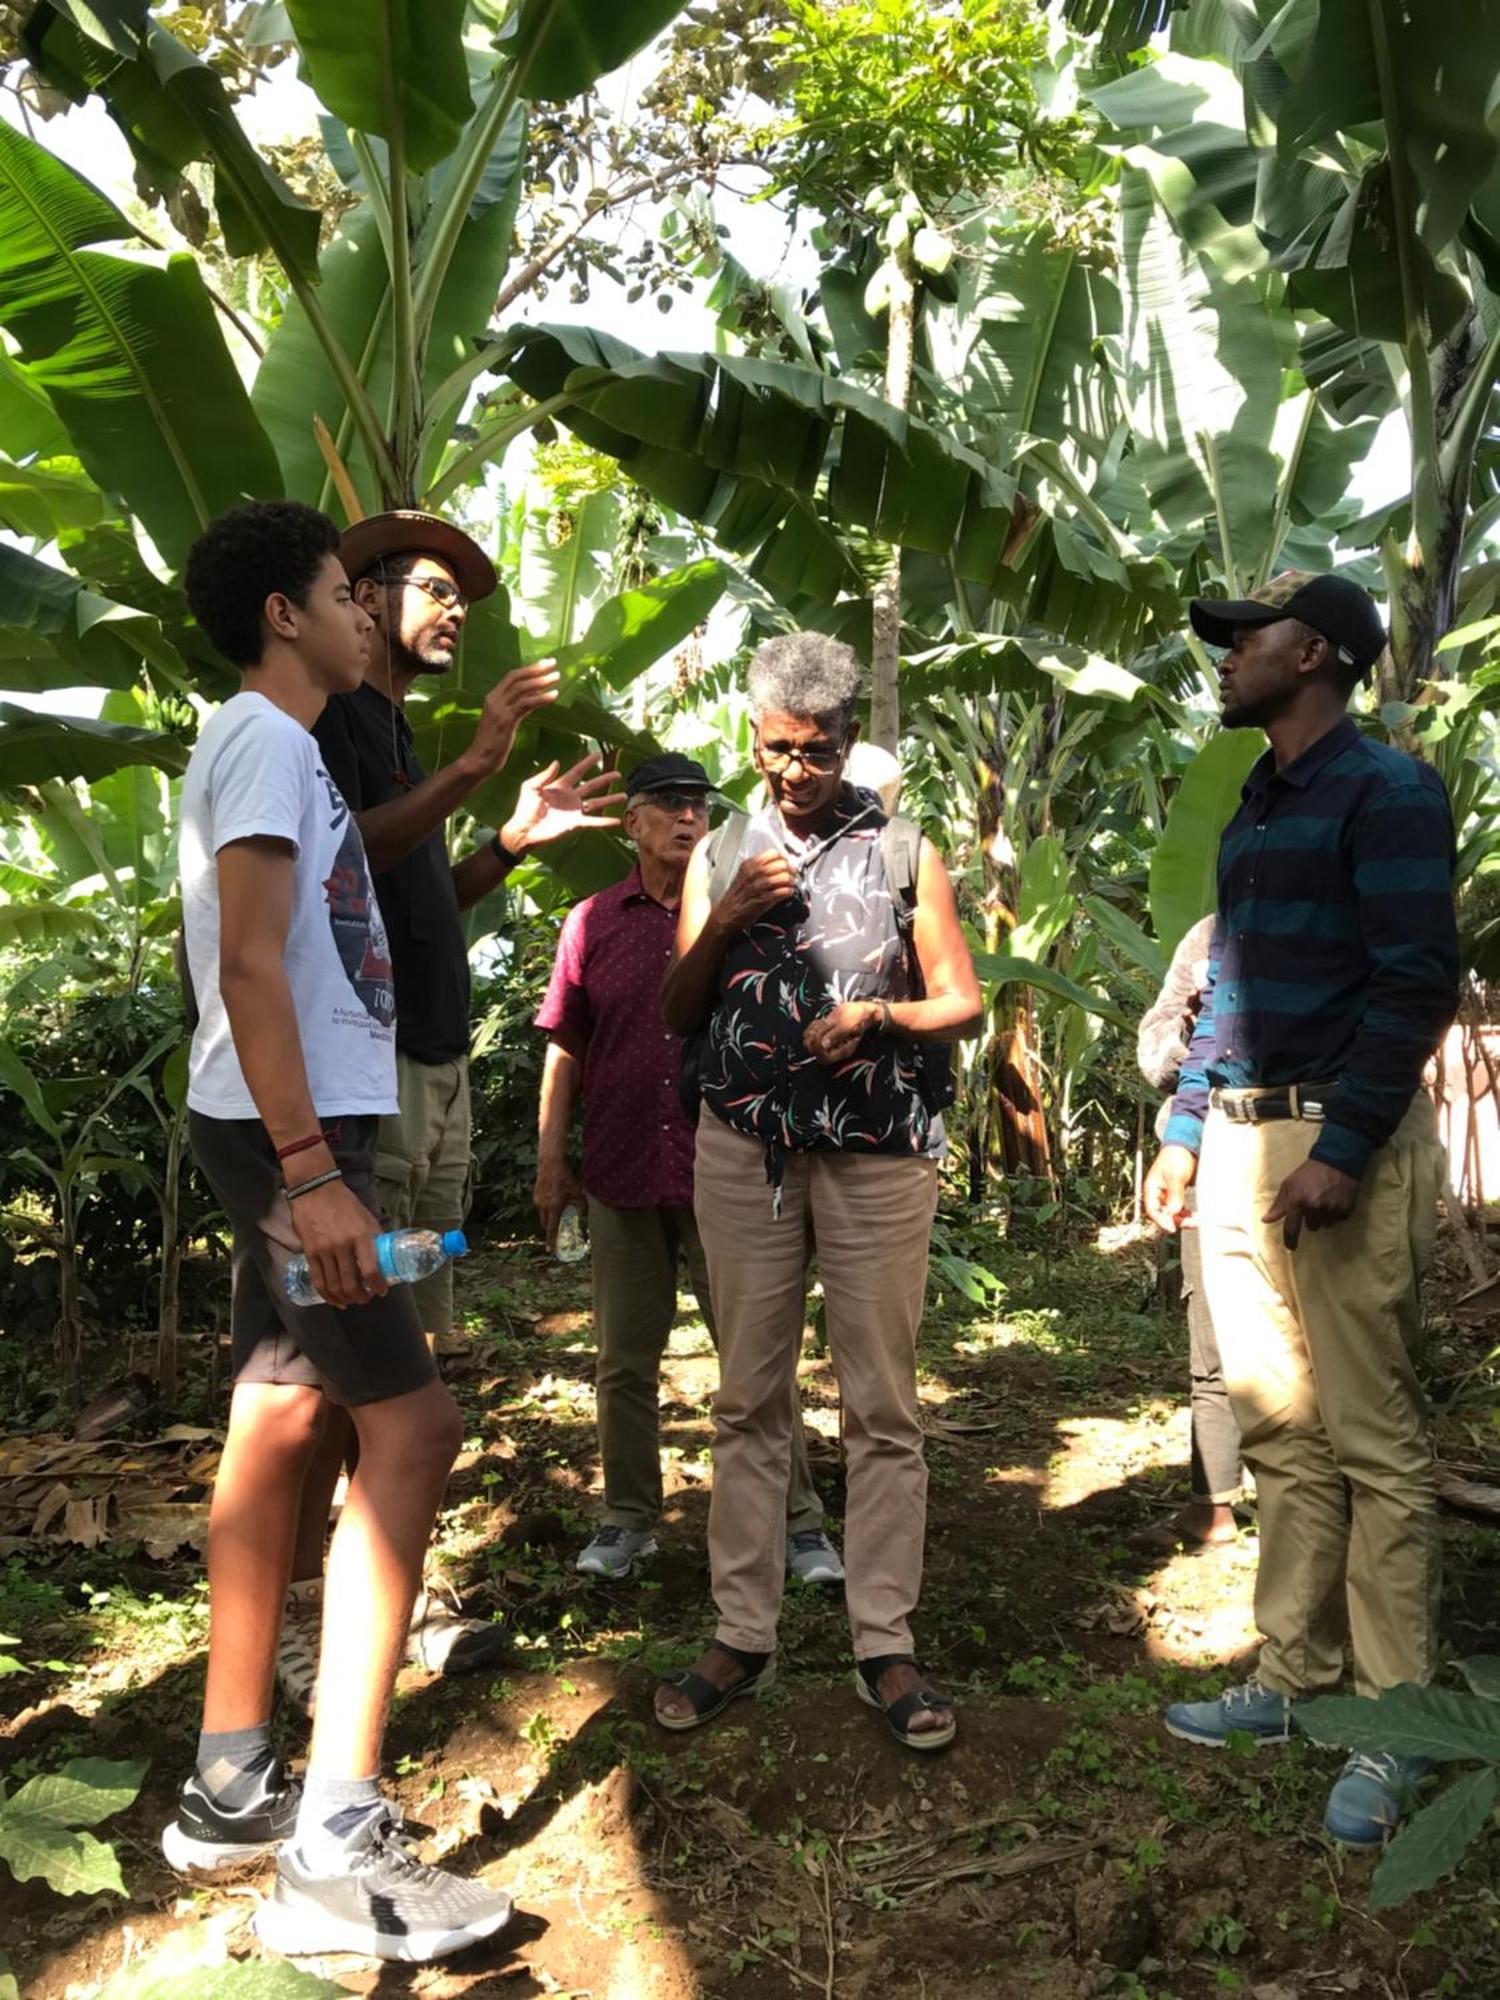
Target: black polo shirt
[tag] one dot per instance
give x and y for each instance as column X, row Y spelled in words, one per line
column 368, row 752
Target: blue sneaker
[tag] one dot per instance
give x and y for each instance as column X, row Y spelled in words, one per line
column 1251, row 1710
column 1371, row 1795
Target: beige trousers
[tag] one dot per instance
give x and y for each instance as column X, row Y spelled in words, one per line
column 423, row 1169
column 1315, row 1343
column 634, row 1258
column 870, row 1216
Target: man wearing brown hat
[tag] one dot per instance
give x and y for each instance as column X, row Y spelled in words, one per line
column 606, row 1046
column 1300, row 1112
column 416, row 575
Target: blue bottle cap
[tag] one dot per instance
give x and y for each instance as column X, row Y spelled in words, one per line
column 455, row 1243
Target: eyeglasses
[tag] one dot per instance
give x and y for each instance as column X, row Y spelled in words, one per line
column 676, row 802
column 438, row 588
column 817, row 758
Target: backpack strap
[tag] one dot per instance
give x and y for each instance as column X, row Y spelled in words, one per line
column 900, row 853
column 724, row 845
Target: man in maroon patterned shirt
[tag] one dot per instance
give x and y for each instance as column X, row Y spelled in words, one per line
column 606, row 1044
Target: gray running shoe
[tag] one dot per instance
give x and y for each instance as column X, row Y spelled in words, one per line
column 444, row 1641
column 384, row 1903
column 812, row 1557
column 614, row 1552
column 297, row 1647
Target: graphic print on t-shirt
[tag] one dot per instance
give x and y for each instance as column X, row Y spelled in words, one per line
column 359, row 934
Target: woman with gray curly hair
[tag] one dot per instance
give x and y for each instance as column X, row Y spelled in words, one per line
column 819, row 958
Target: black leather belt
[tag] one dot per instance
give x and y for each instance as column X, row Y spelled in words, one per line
column 1263, row 1107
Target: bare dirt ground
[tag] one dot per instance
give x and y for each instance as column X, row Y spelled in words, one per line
column 1065, row 1848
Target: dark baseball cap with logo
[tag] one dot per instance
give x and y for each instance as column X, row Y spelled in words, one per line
column 1333, row 606
column 668, row 773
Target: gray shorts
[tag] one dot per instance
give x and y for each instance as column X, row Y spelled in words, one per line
column 354, row 1354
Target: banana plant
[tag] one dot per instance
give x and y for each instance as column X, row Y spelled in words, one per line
column 65, row 1125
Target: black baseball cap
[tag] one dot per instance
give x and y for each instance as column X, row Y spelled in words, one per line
column 1341, row 611
column 668, row 773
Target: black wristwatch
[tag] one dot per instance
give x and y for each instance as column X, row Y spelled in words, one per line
column 503, row 854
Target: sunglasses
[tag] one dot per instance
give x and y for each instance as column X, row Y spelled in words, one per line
column 438, row 588
column 676, row 802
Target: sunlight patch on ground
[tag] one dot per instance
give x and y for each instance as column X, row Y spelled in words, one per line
column 1100, row 1453
column 1199, row 1610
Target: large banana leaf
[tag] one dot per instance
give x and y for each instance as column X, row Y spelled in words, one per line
column 129, row 810
column 562, row 46
column 44, row 499
column 296, row 382
column 565, row 560
column 29, row 425
column 1201, row 377
column 1023, row 345
column 173, row 108
column 35, row 748
column 781, row 459
column 130, row 355
column 1121, row 25
column 1427, row 71
column 1185, row 865
column 634, row 629
column 392, row 67
column 58, row 633
column 998, row 969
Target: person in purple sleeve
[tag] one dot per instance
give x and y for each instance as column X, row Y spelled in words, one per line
column 606, row 1046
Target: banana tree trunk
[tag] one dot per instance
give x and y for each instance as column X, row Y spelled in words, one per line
column 1013, row 1125
column 885, row 646
column 69, row 1306
column 170, row 1296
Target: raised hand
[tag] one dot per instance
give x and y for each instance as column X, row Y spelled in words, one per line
column 551, row 803
column 507, row 706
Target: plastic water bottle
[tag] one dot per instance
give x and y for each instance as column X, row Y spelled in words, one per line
column 572, row 1244
column 405, row 1255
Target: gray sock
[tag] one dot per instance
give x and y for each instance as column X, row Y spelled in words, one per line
column 232, row 1764
column 331, row 1817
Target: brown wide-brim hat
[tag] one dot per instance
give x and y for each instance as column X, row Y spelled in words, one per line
column 406, row 531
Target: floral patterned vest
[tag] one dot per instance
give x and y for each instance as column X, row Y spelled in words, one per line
column 837, row 938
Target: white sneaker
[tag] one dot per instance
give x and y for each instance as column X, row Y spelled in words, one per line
column 297, row 1648
column 614, row 1552
column 383, row 1902
column 812, row 1558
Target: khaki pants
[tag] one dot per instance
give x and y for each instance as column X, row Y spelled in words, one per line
column 634, row 1255
column 423, row 1170
column 871, row 1217
column 1315, row 1347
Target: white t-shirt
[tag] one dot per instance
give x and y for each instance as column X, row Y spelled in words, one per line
column 255, row 770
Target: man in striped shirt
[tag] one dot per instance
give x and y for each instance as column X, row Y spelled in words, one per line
column 1333, row 973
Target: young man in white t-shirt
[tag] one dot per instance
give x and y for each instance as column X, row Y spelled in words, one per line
column 292, row 1066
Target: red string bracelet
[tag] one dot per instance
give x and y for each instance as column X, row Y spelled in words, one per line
column 301, row 1145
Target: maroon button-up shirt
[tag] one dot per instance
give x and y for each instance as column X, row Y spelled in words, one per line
column 604, row 995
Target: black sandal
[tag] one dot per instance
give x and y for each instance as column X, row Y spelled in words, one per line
column 905, row 1706
column 758, row 1672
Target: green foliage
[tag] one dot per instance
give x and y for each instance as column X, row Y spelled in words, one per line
column 1430, row 1722
column 42, row 1825
column 1184, row 867
column 245, row 1979
column 129, row 355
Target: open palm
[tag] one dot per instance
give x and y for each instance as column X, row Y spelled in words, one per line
column 553, row 802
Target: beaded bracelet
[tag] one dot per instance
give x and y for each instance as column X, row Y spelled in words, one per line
column 317, row 1181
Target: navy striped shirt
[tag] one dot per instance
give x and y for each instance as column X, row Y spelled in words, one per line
column 1335, row 950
